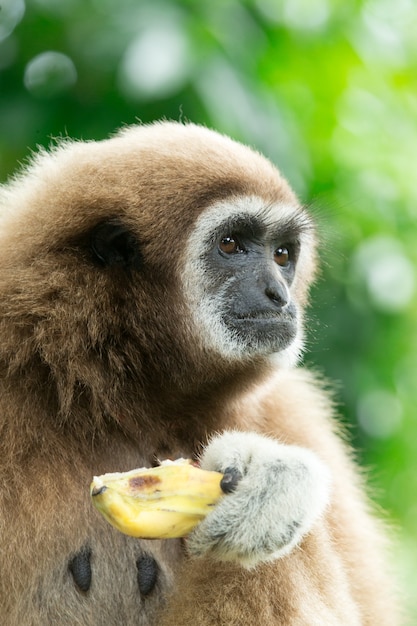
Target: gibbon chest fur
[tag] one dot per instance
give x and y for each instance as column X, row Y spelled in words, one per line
column 153, row 288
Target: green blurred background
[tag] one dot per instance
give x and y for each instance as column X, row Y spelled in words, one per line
column 328, row 90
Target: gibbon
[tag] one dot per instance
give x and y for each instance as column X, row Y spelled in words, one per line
column 153, row 288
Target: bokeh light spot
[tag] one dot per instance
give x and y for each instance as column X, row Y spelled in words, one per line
column 156, row 64
column 379, row 413
column 388, row 274
column 49, row 74
column 11, row 12
column 298, row 14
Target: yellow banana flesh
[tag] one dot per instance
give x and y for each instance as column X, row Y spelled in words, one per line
column 160, row 503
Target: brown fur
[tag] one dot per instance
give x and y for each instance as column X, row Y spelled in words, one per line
column 98, row 374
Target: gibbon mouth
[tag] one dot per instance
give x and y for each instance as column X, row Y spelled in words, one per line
column 278, row 329
column 267, row 316
column 264, row 335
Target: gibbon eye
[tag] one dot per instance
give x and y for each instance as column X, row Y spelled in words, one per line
column 230, row 245
column 282, row 256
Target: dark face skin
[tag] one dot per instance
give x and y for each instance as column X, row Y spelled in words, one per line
column 253, row 265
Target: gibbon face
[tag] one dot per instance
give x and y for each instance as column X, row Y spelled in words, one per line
column 241, row 281
column 166, row 242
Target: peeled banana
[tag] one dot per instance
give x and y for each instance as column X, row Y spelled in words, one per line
column 159, row 503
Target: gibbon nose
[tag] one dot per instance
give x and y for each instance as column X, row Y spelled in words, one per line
column 278, row 294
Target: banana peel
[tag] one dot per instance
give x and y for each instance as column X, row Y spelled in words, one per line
column 164, row 502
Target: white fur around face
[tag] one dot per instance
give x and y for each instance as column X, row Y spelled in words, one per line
column 282, row 492
column 205, row 309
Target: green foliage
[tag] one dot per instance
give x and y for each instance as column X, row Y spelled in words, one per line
column 325, row 88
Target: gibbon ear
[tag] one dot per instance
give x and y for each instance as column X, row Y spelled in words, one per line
column 113, row 244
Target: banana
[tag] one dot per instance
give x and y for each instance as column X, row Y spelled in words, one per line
column 159, row 503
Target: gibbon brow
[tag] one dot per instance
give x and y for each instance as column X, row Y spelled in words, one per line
column 291, row 225
column 265, row 222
